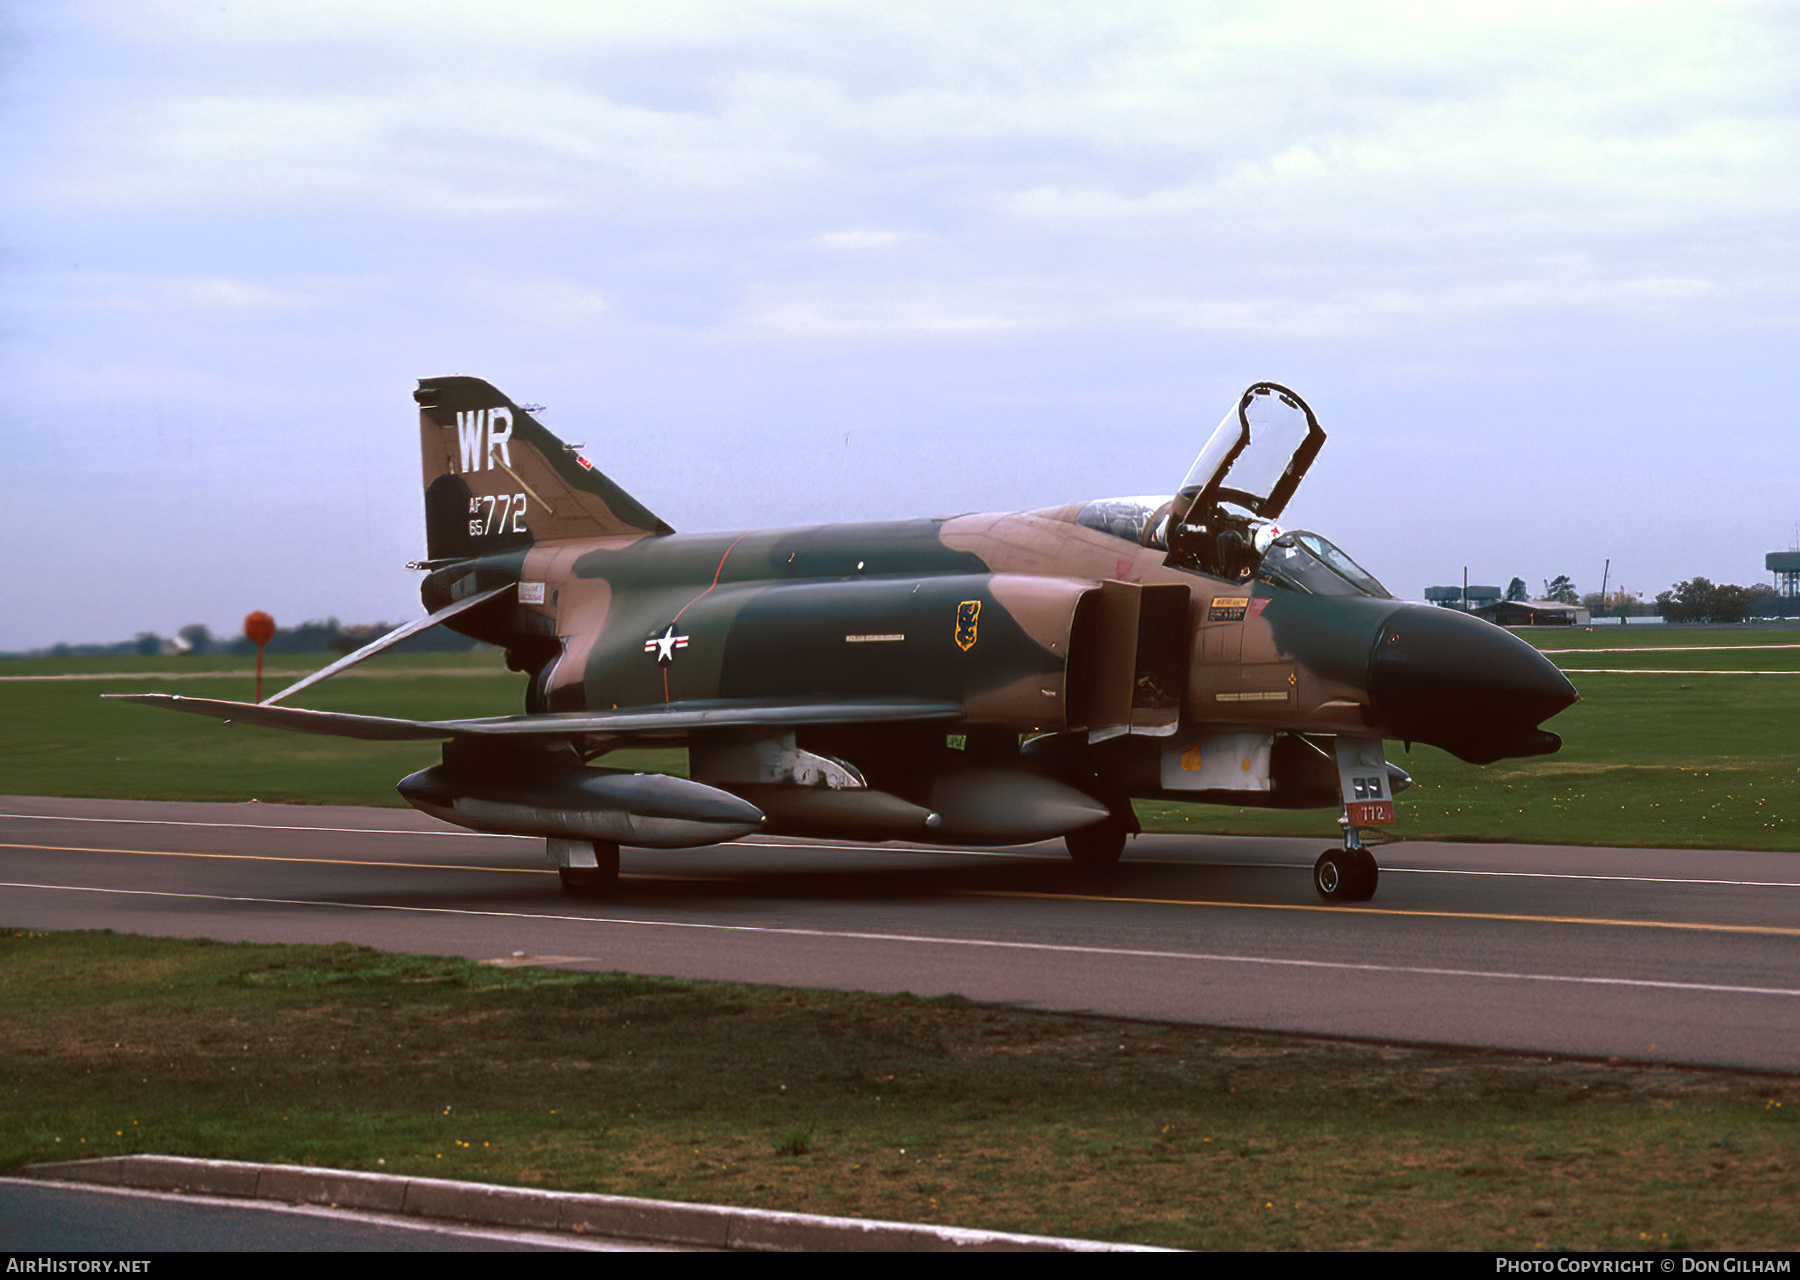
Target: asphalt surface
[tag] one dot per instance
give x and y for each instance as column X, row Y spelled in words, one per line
column 1657, row 955
column 52, row 1217
column 177, row 1203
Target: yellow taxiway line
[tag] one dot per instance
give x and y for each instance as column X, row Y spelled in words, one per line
column 266, row 857
column 1697, row 926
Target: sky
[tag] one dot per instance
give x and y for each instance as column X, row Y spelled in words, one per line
column 795, row 261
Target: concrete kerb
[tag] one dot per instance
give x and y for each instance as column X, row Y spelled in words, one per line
column 619, row 1217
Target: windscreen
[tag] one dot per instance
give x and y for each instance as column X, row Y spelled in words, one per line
column 1303, row 561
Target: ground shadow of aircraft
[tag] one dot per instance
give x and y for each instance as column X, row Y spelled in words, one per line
column 982, row 679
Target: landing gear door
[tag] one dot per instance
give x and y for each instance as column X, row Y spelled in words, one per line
column 1363, row 778
column 1244, row 477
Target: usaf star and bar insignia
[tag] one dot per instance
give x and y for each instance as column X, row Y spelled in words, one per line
column 664, row 645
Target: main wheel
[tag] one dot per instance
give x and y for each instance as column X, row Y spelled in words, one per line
column 1101, row 845
column 1346, row 875
column 597, row 881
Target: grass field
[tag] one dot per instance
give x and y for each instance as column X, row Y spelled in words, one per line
column 873, row 1106
column 480, row 658
column 59, row 738
column 1653, row 757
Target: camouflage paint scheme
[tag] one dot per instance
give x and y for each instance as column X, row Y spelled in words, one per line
column 1000, row 677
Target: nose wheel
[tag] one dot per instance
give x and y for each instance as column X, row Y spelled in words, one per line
column 1346, row 875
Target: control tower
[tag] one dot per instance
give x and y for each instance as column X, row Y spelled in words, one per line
column 1785, row 565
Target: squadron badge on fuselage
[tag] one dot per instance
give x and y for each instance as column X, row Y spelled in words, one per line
column 968, row 613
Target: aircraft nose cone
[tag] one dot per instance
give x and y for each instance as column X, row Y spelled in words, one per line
column 1456, row 682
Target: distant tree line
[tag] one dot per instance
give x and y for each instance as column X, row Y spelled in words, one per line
column 1698, row 600
column 1618, row 604
column 1695, row 600
column 316, row 636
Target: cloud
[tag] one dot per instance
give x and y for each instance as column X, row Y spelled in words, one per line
column 861, row 238
column 1478, row 236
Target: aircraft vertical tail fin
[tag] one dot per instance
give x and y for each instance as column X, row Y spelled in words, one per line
column 496, row 479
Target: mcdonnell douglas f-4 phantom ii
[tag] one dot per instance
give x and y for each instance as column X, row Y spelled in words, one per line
column 983, row 679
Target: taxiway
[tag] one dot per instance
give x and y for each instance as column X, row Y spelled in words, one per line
column 1659, row 955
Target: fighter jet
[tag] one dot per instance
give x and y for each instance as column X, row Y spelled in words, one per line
column 981, row 679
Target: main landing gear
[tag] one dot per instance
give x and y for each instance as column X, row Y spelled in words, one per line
column 1101, row 845
column 586, row 869
column 1098, row 846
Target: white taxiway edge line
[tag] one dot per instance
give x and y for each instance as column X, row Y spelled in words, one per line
column 931, row 940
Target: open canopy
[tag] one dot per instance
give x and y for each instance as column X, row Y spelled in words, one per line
column 1255, row 459
column 1221, row 520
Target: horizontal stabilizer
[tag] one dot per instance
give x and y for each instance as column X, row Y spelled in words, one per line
column 388, row 641
column 668, row 721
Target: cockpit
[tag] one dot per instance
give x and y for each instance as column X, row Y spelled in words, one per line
column 1227, row 530
column 1296, row 559
column 1127, row 518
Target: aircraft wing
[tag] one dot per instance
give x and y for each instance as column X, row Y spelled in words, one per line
column 667, row 721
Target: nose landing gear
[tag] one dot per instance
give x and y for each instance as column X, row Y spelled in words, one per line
column 1346, row 875
column 1368, row 782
